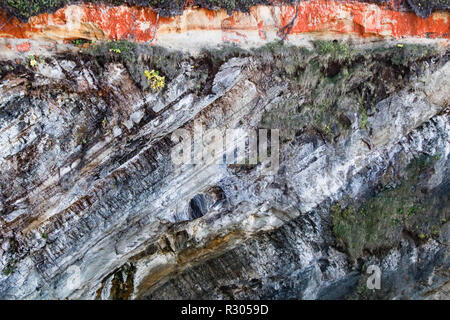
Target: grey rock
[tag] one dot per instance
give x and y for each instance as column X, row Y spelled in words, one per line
column 84, row 199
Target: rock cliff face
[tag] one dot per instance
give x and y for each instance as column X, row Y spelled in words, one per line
column 206, row 26
column 92, row 205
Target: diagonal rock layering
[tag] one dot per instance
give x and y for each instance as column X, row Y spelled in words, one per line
column 93, row 207
column 90, row 196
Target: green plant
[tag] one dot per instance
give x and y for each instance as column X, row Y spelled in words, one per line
column 379, row 220
column 33, row 61
column 25, row 9
column 10, row 267
column 80, row 42
column 364, row 119
column 333, row 48
column 413, row 210
column 125, row 50
column 435, row 231
column 156, row 81
column 405, row 54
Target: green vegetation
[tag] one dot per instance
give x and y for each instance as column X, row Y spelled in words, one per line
column 25, row 9
column 337, row 50
column 378, row 223
column 333, row 81
column 364, row 120
column 405, row 54
column 229, row 5
column 138, row 58
column 122, row 282
column 327, row 84
column 156, row 81
column 10, row 267
column 362, row 292
column 317, row 77
column 125, row 48
column 81, row 42
column 33, row 61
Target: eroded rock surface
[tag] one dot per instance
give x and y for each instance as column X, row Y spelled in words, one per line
column 181, row 24
column 93, row 207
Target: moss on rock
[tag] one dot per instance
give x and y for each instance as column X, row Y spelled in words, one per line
column 379, row 222
column 336, row 80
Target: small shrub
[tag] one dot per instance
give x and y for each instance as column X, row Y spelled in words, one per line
column 156, row 81
column 334, row 48
column 364, row 119
column 25, row 9
column 81, row 42
column 33, row 61
column 378, row 221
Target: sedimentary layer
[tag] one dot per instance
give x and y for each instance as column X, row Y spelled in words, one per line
column 202, row 26
column 93, row 205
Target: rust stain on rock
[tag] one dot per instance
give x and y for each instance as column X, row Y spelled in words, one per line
column 364, row 20
column 23, row 47
column 139, row 24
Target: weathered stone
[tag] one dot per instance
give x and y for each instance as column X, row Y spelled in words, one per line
column 92, row 205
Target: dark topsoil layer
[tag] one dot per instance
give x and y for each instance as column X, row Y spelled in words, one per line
column 23, row 9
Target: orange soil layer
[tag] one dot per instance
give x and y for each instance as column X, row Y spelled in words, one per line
column 138, row 24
